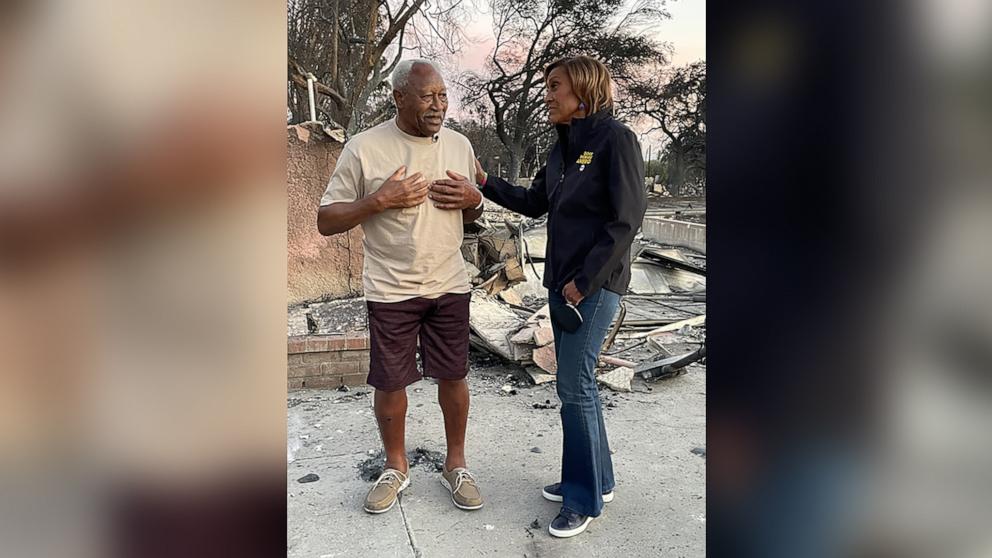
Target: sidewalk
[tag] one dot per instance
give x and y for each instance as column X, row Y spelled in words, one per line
column 513, row 449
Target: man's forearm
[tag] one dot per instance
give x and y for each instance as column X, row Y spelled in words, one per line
column 470, row 215
column 341, row 217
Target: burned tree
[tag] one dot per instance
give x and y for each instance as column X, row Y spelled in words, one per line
column 675, row 104
column 344, row 45
column 529, row 36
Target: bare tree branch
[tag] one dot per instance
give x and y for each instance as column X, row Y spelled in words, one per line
column 298, row 76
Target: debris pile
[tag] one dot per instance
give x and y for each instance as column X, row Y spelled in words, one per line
column 658, row 332
column 660, row 327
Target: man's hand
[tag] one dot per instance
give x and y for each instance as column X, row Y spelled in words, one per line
column 572, row 294
column 398, row 192
column 456, row 193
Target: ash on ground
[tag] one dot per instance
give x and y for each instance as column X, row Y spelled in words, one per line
column 427, row 459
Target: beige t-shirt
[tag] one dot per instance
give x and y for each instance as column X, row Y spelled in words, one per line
column 415, row 251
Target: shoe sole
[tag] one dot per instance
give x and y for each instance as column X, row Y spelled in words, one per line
column 403, row 486
column 444, row 483
column 570, row 532
column 607, row 498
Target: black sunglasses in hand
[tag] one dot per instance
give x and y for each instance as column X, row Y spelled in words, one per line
column 567, row 317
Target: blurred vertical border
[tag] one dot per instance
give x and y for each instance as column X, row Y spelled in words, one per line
column 850, row 309
column 142, row 278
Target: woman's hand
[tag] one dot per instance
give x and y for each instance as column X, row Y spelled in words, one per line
column 480, row 175
column 572, row 294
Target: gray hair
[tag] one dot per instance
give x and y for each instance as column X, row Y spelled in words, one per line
column 401, row 74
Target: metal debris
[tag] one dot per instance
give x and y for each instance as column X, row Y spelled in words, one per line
column 669, row 366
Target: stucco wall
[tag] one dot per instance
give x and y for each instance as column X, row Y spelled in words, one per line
column 318, row 266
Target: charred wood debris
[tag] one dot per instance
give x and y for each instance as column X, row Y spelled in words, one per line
column 658, row 332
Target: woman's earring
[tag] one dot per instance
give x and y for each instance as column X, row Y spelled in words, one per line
column 582, row 106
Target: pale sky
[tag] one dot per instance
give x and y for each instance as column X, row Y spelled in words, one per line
column 686, row 31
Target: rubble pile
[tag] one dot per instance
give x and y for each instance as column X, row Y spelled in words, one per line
column 661, row 323
column 658, row 332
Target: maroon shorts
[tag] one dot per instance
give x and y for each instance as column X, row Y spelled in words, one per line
column 441, row 324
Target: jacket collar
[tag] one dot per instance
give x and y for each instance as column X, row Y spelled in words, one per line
column 569, row 134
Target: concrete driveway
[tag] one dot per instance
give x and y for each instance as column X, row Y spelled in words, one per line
column 513, row 449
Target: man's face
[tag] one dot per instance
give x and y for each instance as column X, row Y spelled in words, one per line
column 421, row 105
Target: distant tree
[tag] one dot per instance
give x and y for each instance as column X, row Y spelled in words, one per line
column 675, row 103
column 478, row 128
column 532, row 34
column 344, row 44
column 656, row 168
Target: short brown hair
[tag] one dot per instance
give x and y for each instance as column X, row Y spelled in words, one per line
column 590, row 80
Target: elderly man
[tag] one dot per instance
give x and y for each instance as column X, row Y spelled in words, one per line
column 414, row 277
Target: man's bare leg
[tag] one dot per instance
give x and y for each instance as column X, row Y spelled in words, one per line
column 390, row 413
column 453, row 397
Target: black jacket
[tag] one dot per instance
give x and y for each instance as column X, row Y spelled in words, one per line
column 593, row 190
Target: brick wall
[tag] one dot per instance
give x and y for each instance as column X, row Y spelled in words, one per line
column 328, row 361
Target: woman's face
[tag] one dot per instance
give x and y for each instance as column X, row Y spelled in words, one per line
column 560, row 99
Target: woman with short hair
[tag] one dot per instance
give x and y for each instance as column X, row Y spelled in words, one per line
column 592, row 189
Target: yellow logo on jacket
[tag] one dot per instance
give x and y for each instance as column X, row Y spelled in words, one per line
column 584, row 160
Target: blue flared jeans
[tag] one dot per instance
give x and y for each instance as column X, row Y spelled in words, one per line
column 586, row 466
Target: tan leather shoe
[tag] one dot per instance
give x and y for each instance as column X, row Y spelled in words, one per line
column 385, row 491
column 464, row 490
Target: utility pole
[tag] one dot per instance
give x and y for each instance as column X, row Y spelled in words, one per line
column 647, row 166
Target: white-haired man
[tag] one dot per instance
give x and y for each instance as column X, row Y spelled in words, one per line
column 414, row 276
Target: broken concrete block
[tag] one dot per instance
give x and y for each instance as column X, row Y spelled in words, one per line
column 498, row 284
column 524, row 336
column 473, row 271
column 514, row 272
column 511, row 297
column 493, row 323
column 542, row 315
column 470, row 250
column 302, row 133
column 543, row 335
column 521, row 352
column 545, row 358
column 538, row 376
column 617, row 379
